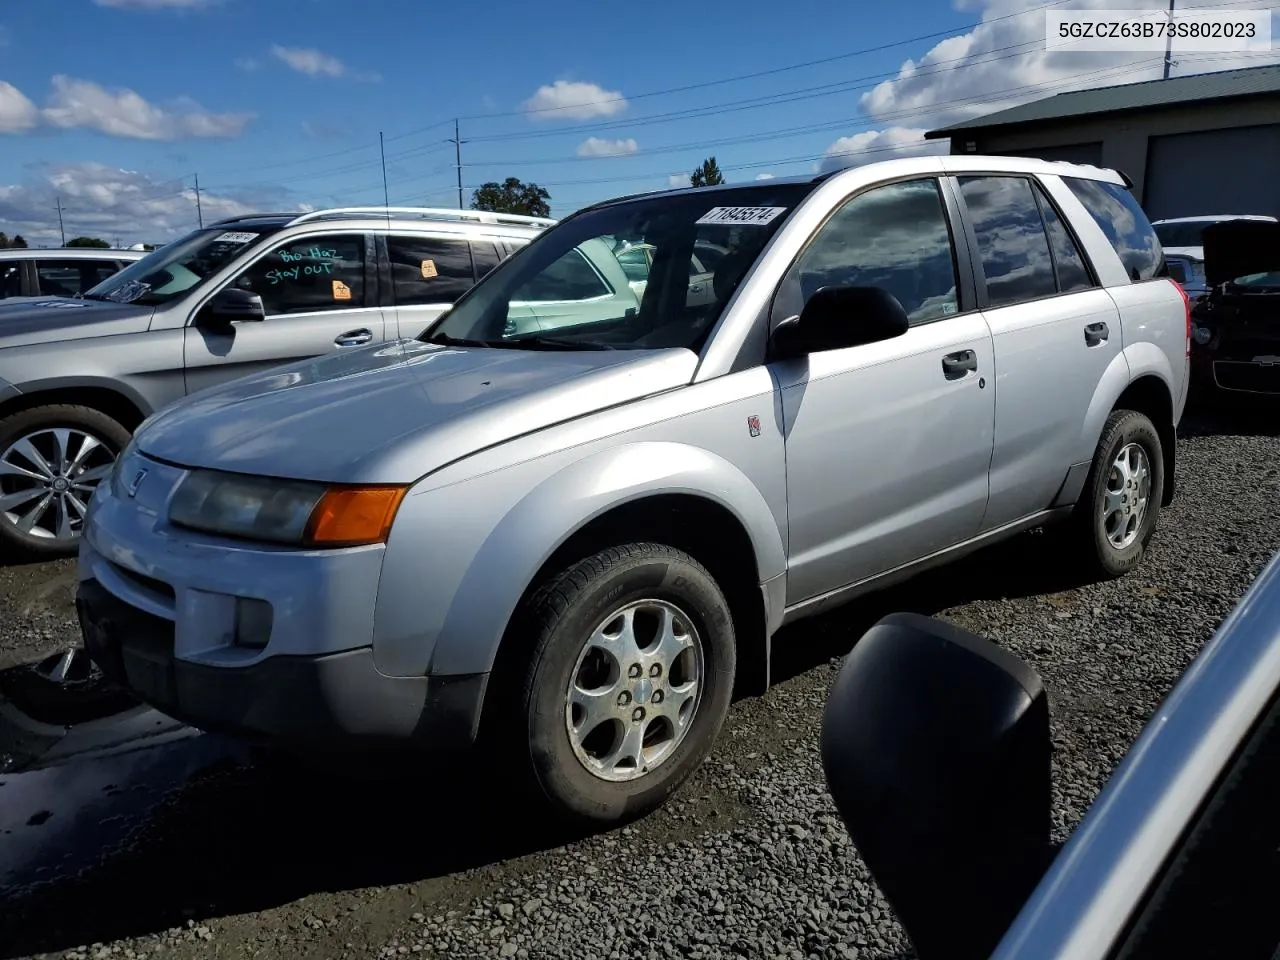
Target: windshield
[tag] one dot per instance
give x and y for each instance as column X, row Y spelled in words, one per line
column 1259, row 280
column 174, row 269
column 644, row 274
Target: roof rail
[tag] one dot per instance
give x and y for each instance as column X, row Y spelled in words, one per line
column 254, row 216
column 425, row 213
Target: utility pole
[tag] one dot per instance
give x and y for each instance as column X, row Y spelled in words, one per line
column 1168, row 43
column 457, row 152
column 199, row 211
column 61, row 229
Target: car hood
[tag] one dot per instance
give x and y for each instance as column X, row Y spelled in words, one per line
column 1193, row 253
column 1238, row 248
column 392, row 413
column 26, row 320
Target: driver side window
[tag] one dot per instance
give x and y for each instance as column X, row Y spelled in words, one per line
column 309, row 275
column 895, row 237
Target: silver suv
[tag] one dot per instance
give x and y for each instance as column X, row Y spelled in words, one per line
column 65, row 272
column 571, row 546
column 77, row 375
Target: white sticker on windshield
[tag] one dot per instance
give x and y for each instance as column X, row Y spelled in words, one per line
column 234, row 237
column 741, row 216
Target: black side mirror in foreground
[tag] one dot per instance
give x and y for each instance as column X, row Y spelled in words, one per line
column 838, row 317
column 936, row 749
column 232, row 305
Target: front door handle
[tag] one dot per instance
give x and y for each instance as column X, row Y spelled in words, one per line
column 353, row 338
column 1096, row 333
column 958, row 365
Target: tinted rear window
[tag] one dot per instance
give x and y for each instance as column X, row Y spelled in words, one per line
column 1121, row 218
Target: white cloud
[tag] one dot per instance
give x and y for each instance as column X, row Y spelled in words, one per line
column 595, row 147
column 124, row 113
column 316, row 63
column 17, row 113
column 1002, row 63
column 574, row 100
column 248, row 64
column 869, row 146
column 111, row 203
column 312, row 62
column 156, row 4
column 678, row 180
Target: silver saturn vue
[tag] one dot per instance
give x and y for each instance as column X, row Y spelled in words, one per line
column 565, row 521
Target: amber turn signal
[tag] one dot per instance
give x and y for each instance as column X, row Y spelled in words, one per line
column 354, row 516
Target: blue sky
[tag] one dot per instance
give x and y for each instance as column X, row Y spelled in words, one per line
column 277, row 104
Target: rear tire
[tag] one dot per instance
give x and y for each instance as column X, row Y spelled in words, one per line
column 51, row 459
column 1116, row 515
column 626, row 681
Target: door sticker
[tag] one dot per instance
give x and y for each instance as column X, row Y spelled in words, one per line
column 429, row 269
column 341, row 291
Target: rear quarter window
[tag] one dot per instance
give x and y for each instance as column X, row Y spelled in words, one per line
column 1118, row 213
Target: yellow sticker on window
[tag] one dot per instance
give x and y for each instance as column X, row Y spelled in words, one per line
column 341, row 291
column 429, row 269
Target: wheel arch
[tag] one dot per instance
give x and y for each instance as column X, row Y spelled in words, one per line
column 671, row 493
column 111, row 398
column 1151, row 396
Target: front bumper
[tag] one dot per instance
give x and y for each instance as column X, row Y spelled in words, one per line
column 333, row 700
column 160, row 613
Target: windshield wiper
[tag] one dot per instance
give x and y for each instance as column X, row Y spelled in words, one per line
column 444, row 340
column 556, row 343
column 93, row 296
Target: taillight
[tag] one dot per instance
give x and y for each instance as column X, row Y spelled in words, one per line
column 1186, row 303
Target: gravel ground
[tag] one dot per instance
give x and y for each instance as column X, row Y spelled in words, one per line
column 750, row 858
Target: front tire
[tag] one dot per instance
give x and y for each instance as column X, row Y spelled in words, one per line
column 51, row 460
column 627, row 683
column 1118, row 509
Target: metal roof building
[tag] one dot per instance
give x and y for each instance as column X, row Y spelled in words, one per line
column 1194, row 145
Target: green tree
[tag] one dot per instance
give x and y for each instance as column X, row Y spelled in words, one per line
column 4, row 240
column 707, row 174
column 512, row 196
column 18, row 241
column 87, row 242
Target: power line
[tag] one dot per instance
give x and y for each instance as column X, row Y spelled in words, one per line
column 809, row 158
column 879, row 48
column 937, row 108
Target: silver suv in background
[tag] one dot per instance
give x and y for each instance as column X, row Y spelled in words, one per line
column 571, row 547
column 64, row 272
column 238, row 297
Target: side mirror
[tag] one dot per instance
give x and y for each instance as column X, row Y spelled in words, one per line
column 232, row 305
column 838, row 317
column 936, row 749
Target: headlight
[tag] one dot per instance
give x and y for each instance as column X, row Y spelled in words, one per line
column 1201, row 335
column 284, row 511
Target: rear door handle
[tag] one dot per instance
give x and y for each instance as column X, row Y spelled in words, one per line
column 353, row 338
column 958, row 365
column 1096, row 333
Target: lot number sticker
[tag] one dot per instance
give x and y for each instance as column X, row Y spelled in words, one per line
column 234, row 237
column 741, row 216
